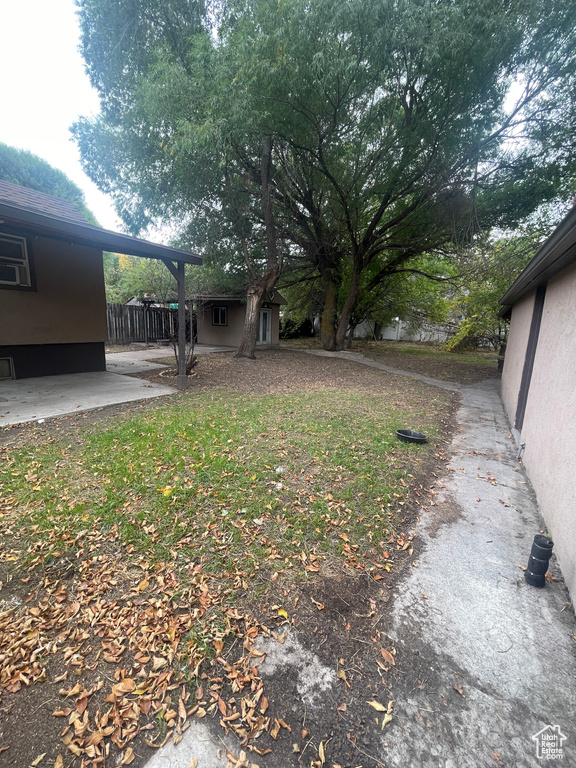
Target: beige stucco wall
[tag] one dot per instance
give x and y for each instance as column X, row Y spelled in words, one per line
column 223, row 335
column 69, row 303
column 548, row 431
column 231, row 335
column 516, row 353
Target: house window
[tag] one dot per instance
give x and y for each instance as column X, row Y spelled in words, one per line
column 14, row 261
column 219, row 316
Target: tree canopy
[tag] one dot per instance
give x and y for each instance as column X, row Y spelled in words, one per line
column 348, row 138
column 22, row 167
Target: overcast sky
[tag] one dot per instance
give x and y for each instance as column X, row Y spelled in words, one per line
column 45, row 88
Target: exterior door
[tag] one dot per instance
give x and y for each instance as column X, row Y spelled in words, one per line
column 264, row 323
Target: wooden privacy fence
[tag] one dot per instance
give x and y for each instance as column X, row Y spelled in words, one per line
column 127, row 324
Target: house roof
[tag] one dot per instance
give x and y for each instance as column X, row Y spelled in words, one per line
column 557, row 253
column 43, row 214
column 274, row 297
column 31, row 199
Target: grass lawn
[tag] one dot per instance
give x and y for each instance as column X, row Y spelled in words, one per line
column 431, row 360
column 135, row 551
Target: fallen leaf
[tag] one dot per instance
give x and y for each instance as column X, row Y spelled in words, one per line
column 377, row 706
column 38, row 760
column 459, row 689
column 387, row 719
column 387, row 656
column 341, row 707
column 127, row 757
column 194, row 763
column 342, row 675
column 127, row 685
column 388, row 716
column 496, row 757
column 59, row 763
column 321, row 753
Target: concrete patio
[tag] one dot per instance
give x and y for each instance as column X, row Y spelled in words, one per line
column 46, row 397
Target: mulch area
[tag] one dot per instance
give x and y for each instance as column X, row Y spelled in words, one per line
column 269, row 371
column 274, row 371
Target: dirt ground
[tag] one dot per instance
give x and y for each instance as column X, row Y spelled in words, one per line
column 260, row 374
column 425, row 359
column 446, row 367
column 347, row 633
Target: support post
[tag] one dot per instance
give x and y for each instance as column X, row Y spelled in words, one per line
column 178, row 272
column 182, row 380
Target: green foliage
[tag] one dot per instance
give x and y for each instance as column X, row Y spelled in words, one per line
column 128, row 277
column 488, row 274
column 397, row 129
column 134, row 278
column 22, row 167
column 418, row 294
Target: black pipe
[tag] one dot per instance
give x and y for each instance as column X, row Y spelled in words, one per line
column 538, row 561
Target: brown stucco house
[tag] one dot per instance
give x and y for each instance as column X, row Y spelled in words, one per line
column 539, row 383
column 220, row 319
column 52, row 296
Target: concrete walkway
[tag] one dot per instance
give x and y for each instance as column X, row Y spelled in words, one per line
column 487, row 661
column 141, row 360
column 481, row 629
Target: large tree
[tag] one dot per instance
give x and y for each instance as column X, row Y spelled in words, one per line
column 349, row 136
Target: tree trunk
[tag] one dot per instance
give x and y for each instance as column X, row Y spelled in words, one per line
column 346, row 314
column 351, row 330
column 329, row 314
column 247, row 346
column 262, row 285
